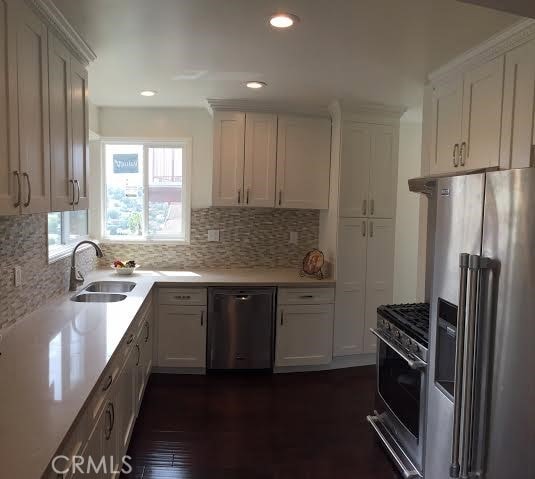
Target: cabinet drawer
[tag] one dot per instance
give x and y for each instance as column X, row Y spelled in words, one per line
column 183, row 297
column 306, row 296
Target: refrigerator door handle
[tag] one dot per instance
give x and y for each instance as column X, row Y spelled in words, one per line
column 474, row 269
column 459, row 361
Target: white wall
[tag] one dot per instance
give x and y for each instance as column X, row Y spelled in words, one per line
column 407, row 215
column 168, row 123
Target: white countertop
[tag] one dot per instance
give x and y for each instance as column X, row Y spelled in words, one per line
column 51, row 359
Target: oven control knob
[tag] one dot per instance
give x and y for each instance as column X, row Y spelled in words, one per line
column 398, row 334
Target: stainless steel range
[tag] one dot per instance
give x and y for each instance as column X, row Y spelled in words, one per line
column 399, row 419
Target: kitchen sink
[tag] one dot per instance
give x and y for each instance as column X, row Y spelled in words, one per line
column 111, row 287
column 98, row 297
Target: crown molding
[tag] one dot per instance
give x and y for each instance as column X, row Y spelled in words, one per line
column 367, row 112
column 55, row 20
column 497, row 45
column 244, row 105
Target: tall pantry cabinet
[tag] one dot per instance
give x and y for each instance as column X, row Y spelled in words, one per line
column 367, row 197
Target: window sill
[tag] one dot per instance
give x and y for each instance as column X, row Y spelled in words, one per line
column 65, row 251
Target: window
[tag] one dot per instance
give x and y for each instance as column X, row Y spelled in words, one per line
column 146, row 192
column 64, row 230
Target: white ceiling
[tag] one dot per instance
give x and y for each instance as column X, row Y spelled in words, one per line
column 190, row 50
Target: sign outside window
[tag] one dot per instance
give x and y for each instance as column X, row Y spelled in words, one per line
column 125, row 163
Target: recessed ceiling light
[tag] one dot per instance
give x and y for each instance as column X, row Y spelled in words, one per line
column 255, row 85
column 147, row 93
column 283, row 20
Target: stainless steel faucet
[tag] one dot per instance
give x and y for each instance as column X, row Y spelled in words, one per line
column 77, row 278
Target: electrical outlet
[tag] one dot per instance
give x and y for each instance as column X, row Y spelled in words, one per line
column 293, row 237
column 17, row 274
column 213, row 235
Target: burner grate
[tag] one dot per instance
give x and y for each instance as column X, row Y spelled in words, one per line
column 412, row 318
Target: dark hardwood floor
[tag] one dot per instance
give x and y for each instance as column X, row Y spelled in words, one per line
column 284, row 426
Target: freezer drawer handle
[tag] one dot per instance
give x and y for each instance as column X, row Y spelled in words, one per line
column 407, row 473
column 412, row 361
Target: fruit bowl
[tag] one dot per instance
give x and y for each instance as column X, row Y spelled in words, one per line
column 124, row 269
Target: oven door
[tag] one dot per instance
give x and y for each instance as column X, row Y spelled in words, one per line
column 400, row 417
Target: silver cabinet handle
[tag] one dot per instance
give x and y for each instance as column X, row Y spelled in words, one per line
column 280, row 197
column 138, row 354
column 183, row 297
column 282, row 318
column 372, row 229
column 147, row 327
column 239, row 196
column 463, row 153
column 202, row 318
column 456, row 155
column 413, row 361
column 108, row 383
column 19, row 189
column 459, row 362
column 73, row 202
column 247, row 197
column 77, row 183
column 29, row 199
column 364, row 207
column 364, row 229
column 110, row 413
column 372, row 207
column 130, row 339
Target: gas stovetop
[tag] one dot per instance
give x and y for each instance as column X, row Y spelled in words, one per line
column 413, row 319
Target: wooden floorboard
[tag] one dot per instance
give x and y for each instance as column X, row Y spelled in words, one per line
column 283, row 426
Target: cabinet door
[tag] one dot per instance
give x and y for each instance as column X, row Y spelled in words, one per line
column 260, row 159
column 304, row 335
column 518, row 125
column 229, row 151
column 379, row 274
column 59, row 72
column 482, row 115
column 125, row 410
column 446, row 129
column 145, row 365
column 383, row 172
column 9, row 154
column 182, row 336
column 351, row 287
column 357, row 140
column 303, row 162
column 34, row 146
column 80, row 134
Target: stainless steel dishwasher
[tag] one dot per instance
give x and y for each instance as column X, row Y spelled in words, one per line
column 240, row 328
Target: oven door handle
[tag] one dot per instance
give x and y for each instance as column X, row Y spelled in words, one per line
column 413, row 361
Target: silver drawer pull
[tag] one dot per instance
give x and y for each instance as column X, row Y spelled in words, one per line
column 306, row 296
column 108, row 383
column 182, row 297
column 130, row 339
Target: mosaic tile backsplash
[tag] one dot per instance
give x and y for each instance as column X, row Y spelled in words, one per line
column 248, row 238
column 23, row 242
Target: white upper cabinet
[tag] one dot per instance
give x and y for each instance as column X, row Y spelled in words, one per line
column 32, row 75
column 357, row 144
column 379, row 274
column 303, row 162
column 446, row 129
column 229, row 151
column 350, row 286
column 9, row 156
column 369, row 170
column 518, row 121
column 383, row 172
column 62, row 186
column 260, row 159
column 482, row 112
column 80, row 134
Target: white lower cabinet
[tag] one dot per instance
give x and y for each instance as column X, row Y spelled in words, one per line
column 182, row 316
column 304, row 332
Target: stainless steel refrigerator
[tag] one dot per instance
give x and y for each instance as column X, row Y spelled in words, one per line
column 481, row 388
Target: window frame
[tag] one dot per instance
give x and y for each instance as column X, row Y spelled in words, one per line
column 65, row 249
column 146, row 143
